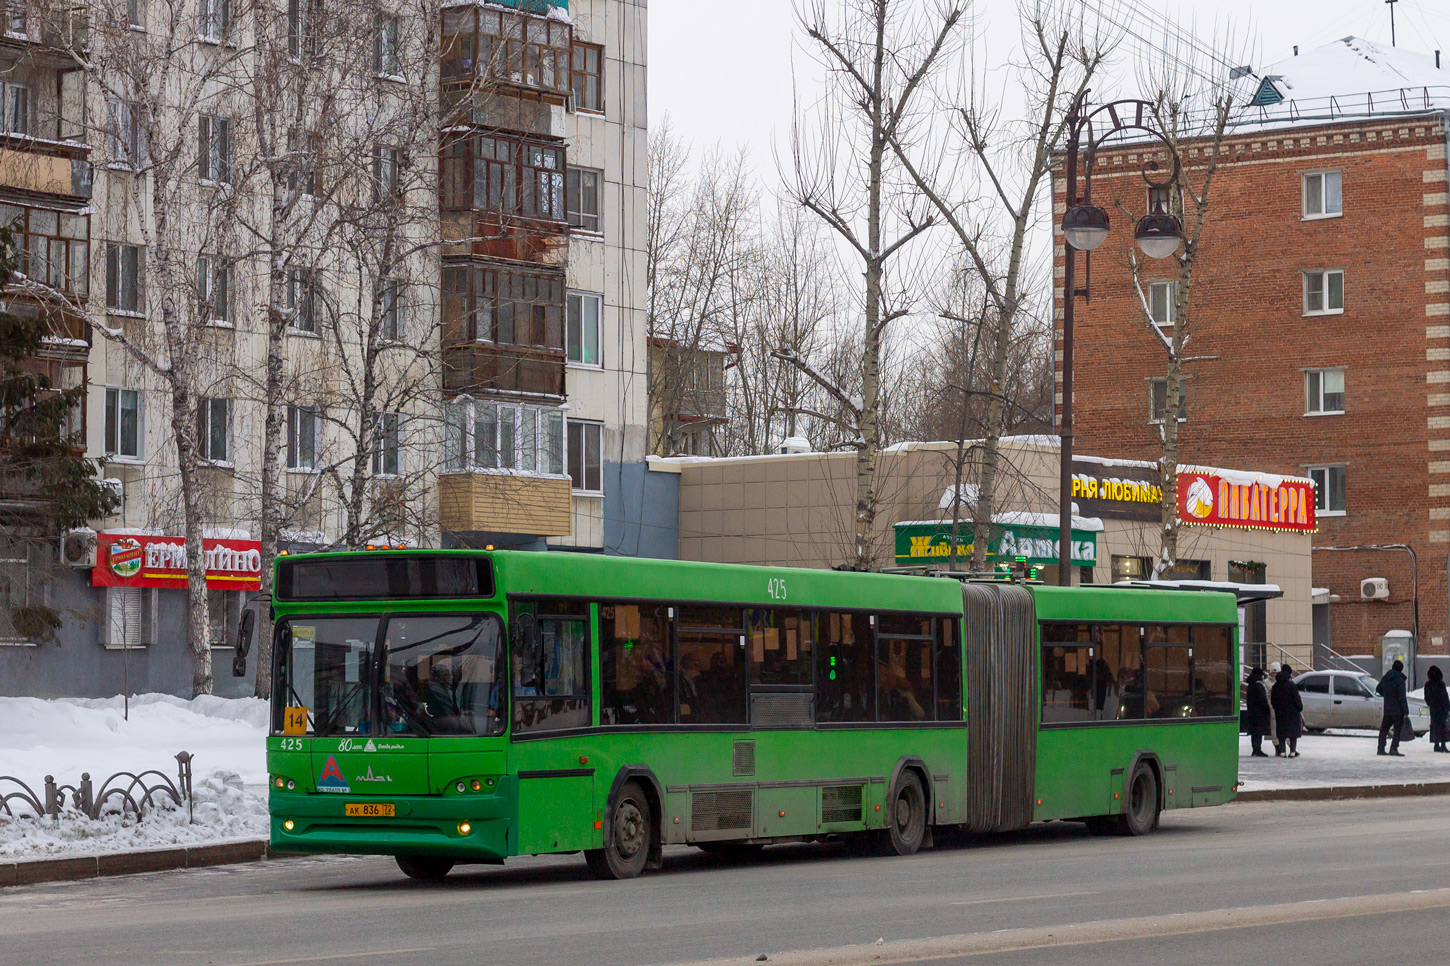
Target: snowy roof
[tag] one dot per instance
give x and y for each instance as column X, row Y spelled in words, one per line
column 1246, row 593
column 1350, row 77
column 1018, row 518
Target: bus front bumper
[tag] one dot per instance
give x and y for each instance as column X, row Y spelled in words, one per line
column 467, row 828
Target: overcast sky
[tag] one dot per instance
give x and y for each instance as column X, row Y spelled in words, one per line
column 722, row 70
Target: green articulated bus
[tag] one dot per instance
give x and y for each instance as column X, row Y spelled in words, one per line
column 450, row 707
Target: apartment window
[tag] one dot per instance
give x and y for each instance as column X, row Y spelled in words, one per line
column 15, row 19
column 1328, row 489
column 214, row 149
column 390, row 310
column 507, row 46
column 302, row 173
column 216, row 20
column 304, row 432
column 1160, row 301
column 483, row 434
column 14, row 109
column 505, row 175
column 214, row 423
column 214, row 289
column 503, row 306
column 125, row 143
column 1323, row 391
column 385, row 173
column 385, row 46
column 584, row 185
column 303, row 299
column 1158, row 399
column 123, row 278
column 585, row 444
column 297, row 39
column 1323, row 195
column 588, row 70
column 388, row 449
column 1323, row 292
column 136, row 13
column 123, row 423
column 583, row 328
column 51, row 247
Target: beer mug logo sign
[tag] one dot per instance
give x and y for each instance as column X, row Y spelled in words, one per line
column 1200, row 499
column 125, row 557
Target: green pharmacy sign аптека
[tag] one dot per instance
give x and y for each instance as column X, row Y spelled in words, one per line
column 920, row 544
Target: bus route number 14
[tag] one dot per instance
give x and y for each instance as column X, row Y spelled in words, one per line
column 775, row 587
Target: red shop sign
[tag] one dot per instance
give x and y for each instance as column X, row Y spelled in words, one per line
column 1254, row 503
column 124, row 560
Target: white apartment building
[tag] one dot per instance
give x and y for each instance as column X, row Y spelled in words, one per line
column 430, row 216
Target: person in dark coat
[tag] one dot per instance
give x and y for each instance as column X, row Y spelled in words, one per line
column 1288, row 713
column 1397, row 708
column 1438, row 700
column 1259, row 712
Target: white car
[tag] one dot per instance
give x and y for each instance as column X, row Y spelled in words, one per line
column 1346, row 699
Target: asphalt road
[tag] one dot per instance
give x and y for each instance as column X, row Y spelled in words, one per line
column 1290, row 883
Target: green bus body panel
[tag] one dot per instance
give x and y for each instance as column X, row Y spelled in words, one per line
column 549, row 794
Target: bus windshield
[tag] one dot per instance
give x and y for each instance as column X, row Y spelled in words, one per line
column 423, row 675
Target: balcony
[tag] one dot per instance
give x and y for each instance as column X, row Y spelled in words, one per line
column 41, row 166
column 474, row 367
column 505, row 503
column 488, row 52
column 485, row 234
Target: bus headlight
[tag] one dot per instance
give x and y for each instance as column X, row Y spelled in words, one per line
column 464, row 828
column 288, row 824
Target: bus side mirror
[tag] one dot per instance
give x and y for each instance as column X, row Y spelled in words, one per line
column 246, row 635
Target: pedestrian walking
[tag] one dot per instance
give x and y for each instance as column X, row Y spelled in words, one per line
column 1397, row 708
column 1288, row 713
column 1438, row 700
column 1260, row 714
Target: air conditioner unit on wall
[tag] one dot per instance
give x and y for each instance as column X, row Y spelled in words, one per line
column 1374, row 588
column 78, row 548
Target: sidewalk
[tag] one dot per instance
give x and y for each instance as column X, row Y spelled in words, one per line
column 1341, row 760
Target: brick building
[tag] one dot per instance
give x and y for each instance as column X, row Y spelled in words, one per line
column 1321, row 344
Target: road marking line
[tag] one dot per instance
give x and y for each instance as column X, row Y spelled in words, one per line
column 319, row 959
column 1049, row 895
column 1104, row 931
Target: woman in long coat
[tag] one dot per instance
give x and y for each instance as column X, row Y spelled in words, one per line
column 1288, row 712
column 1438, row 700
column 1259, row 715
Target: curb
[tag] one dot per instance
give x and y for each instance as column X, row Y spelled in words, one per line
column 1328, row 793
column 128, row 863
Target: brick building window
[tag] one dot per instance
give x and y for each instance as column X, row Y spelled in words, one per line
column 1324, row 292
column 1328, row 490
column 1323, row 391
column 1323, row 194
column 1160, row 301
column 1158, row 399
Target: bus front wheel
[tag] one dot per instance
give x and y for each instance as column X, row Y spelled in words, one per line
column 906, row 822
column 630, row 833
column 1140, row 814
column 428, row 868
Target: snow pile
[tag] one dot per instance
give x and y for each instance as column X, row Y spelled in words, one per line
column 1338, row 758
column 68, row 736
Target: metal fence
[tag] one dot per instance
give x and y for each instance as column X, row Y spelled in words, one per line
column 124, row 793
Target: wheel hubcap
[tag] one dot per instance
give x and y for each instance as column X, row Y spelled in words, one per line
column 628, row 829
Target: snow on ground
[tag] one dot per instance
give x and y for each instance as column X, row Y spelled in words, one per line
column 68, row 736
column 1342, row 758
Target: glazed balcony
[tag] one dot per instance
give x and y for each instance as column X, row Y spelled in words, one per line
column 42, row 166
column 482, row 367
column 503, row 197
column 505, row 68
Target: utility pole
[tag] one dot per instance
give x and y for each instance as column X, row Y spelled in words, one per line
column 1391, row 5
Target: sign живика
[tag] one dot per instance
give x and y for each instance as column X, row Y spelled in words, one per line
column 930, row 544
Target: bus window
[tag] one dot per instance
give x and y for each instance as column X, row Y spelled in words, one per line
column 1067, row 693
column 712, row 666
column 636, row 664
column 328, row 669
column 846, row 677
column 948, row 671
column 903, row 625
column 1170, row 685
column 443, row 675
column 779, row 642
column 1118, row 672
column 549, row 653
column 1213, row 693
column 904, row 685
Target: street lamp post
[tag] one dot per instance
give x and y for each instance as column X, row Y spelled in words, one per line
column 1084, row 227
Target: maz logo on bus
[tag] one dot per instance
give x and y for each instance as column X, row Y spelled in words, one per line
column 775, row 587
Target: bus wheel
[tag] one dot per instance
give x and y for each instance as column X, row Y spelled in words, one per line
column 906, row 822
column 428, row 868
column 1141, row 814
column 630, row 834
